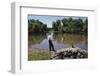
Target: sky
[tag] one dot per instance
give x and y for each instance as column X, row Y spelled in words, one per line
column 49, row 19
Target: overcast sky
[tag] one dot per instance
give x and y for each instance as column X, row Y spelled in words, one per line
column 49, row 19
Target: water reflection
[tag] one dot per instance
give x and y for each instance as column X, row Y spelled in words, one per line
column 40, row 41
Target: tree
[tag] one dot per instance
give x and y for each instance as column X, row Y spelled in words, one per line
column 44, row 28
column 65, row 22
column 36, row 26
column 85, row 26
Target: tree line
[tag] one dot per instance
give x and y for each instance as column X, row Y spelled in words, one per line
column 36, row 26
column 65, row 25
column 71, row 25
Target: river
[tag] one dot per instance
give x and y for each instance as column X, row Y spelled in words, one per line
column 40, row 41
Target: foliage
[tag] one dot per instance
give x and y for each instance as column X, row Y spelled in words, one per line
column 69, row 25
column 36, row 26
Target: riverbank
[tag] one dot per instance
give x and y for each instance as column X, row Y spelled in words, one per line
column 38, row 54
column 64, row 53
column 71, row 53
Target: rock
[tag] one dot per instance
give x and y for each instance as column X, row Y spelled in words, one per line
column 70, row 53
column 53, row 55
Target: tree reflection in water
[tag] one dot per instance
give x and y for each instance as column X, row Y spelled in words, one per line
column 64, row 39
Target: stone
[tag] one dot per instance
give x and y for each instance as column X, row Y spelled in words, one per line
column 69, row 53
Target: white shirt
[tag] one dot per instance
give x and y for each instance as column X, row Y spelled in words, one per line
column 50, row 37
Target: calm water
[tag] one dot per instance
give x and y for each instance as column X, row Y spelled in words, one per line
column 40, row 41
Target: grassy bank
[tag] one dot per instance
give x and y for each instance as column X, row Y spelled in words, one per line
column 37, row 54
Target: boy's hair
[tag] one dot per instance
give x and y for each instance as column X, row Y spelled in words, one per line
column 49, row 33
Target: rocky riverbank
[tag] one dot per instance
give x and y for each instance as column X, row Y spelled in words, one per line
column 64, row 53
column 69, row 53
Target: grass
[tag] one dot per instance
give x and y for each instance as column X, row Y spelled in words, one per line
column 38, row 55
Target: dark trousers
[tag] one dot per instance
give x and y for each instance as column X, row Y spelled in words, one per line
column 51, row 46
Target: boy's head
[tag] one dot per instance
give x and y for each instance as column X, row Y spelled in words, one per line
column 49, row 33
